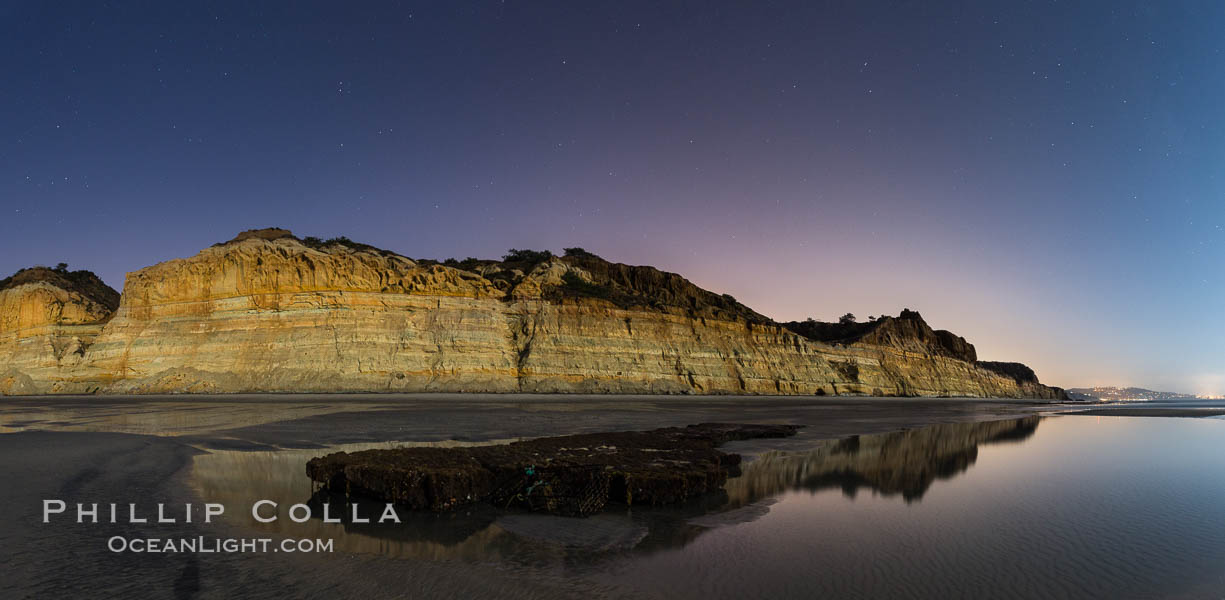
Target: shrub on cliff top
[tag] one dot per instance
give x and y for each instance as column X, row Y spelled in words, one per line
column 313, row 242
column 578, row 252
column 467, row 264
column 526, row 256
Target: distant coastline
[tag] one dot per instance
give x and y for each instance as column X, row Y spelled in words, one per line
column 1133, row 394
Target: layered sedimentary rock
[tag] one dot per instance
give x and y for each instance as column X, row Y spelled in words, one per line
column 268, row 312
column 48, row 317
column 277, row 315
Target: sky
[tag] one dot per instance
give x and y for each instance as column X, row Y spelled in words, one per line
column 1046, row 179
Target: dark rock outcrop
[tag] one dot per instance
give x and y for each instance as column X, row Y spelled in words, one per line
column 651, row 287
column 625, row 286
column 1015, row 370
column 907, row 331
column 267, row 233
column 573, row 475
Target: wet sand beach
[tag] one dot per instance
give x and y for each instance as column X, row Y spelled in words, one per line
column 1132, row 411
column 140, row 449
column 312, row 420
column 238, row 449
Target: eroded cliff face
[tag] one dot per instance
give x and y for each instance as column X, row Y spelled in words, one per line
column 267, row 312
column 277, row 315
column 907, row 331
column 48, row 318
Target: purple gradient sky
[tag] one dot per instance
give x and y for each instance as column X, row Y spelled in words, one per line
column 1043, row 178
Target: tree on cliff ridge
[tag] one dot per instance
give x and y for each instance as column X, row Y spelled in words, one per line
column 576, row 251
column 526, row 256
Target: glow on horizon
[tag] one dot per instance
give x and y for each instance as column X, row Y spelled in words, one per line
column 1045, row 181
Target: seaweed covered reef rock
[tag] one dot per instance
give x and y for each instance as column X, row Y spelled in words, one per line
column 270, row 312
column 574, row 475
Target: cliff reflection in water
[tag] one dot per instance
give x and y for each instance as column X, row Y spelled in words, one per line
column 904, row 463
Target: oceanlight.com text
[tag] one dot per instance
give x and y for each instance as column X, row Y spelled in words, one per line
column 206, row 545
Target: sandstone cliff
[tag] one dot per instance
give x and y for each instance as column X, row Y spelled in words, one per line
column 907, row 331
column 268, row 312
column 47, row 319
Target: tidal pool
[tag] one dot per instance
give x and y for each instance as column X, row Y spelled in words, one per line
column 935, row 498
column 1063, row 506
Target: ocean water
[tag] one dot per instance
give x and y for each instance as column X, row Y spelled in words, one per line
column 1066, row 506
column 1101, row 507
column 1018, row 506
column 1185, row 403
